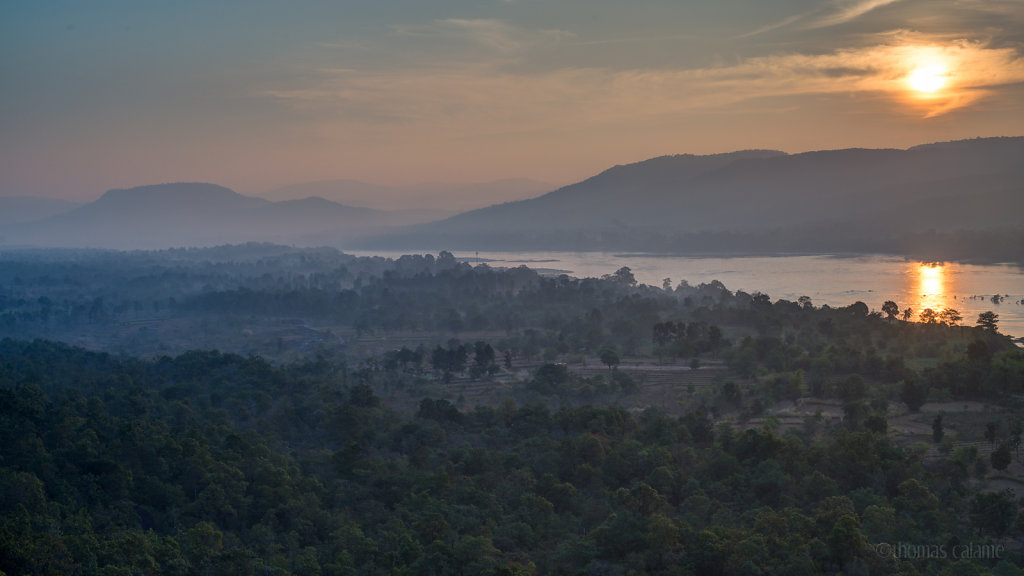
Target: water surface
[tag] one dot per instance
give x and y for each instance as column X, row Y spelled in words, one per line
column 832, row 280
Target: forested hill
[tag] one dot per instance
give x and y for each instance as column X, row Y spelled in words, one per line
column 218, row 464
column 757, row 201
column 450, row 419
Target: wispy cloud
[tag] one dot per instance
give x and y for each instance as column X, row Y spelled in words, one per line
column 835, row 14
column 482, row 97
column 848, row 11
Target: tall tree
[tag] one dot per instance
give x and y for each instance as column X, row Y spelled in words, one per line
column 891, row 309
column 912, row 394
column 951, row 316
column 609, row 357
column 989, row 321
column 929, row 316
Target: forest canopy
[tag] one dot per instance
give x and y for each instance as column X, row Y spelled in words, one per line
column 424, row 416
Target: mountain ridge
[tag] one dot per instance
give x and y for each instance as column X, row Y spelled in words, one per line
column 643, row 205
column 748, row 201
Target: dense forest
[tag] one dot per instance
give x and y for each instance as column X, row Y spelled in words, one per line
column 425, row 416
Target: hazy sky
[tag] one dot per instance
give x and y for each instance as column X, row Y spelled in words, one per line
column 254, row 95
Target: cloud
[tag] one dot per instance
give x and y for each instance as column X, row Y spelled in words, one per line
column 849, row 11
column 840, row 14
column 490, row 34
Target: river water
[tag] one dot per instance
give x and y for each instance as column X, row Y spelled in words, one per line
column 832, row 280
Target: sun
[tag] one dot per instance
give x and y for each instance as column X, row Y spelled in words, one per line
column 928, row 78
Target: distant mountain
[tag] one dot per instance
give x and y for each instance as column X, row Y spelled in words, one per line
column 421, row 202
column 756, row 201
column 308, row 222
column 348, row 192
column 464, row 197
column 195, row 214
column 14, row 209
column 959, row 200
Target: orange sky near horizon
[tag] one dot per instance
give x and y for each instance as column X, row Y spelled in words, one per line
column 127, row 94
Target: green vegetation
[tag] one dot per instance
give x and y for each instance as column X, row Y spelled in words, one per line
column 478, row 421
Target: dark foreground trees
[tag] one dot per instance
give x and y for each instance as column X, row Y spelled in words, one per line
column 209, row 463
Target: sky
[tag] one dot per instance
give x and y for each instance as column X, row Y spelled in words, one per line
column 255, row 95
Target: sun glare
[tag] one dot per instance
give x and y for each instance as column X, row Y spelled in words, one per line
column 928, row 78
column 931, row 280
column 932, row 286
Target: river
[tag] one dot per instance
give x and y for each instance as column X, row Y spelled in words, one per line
column 832, row 280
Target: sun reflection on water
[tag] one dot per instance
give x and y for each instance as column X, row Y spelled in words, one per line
column 932, row 289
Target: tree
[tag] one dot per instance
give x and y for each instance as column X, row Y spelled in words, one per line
column 858, row 309
column 715, row 337
column 929, row 316
column 664, row 333
column 846, row 541
column 989, row 321
column 483, row 354
column 1001, row 457
column 550, row 378
column 732, row 393
column 851, row 388
column 1016, row 429
column 405, row 356
column 450, row 360
column 913, row 394
column 907, row 313
column 623, row 275
column 891, row 309
column 609, row 357
column 993, row 512
column 201, row 545
column 937, row 431
column 951, row 316
column 991, row 430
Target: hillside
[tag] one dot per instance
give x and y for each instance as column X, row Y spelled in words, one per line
column 856, row 199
